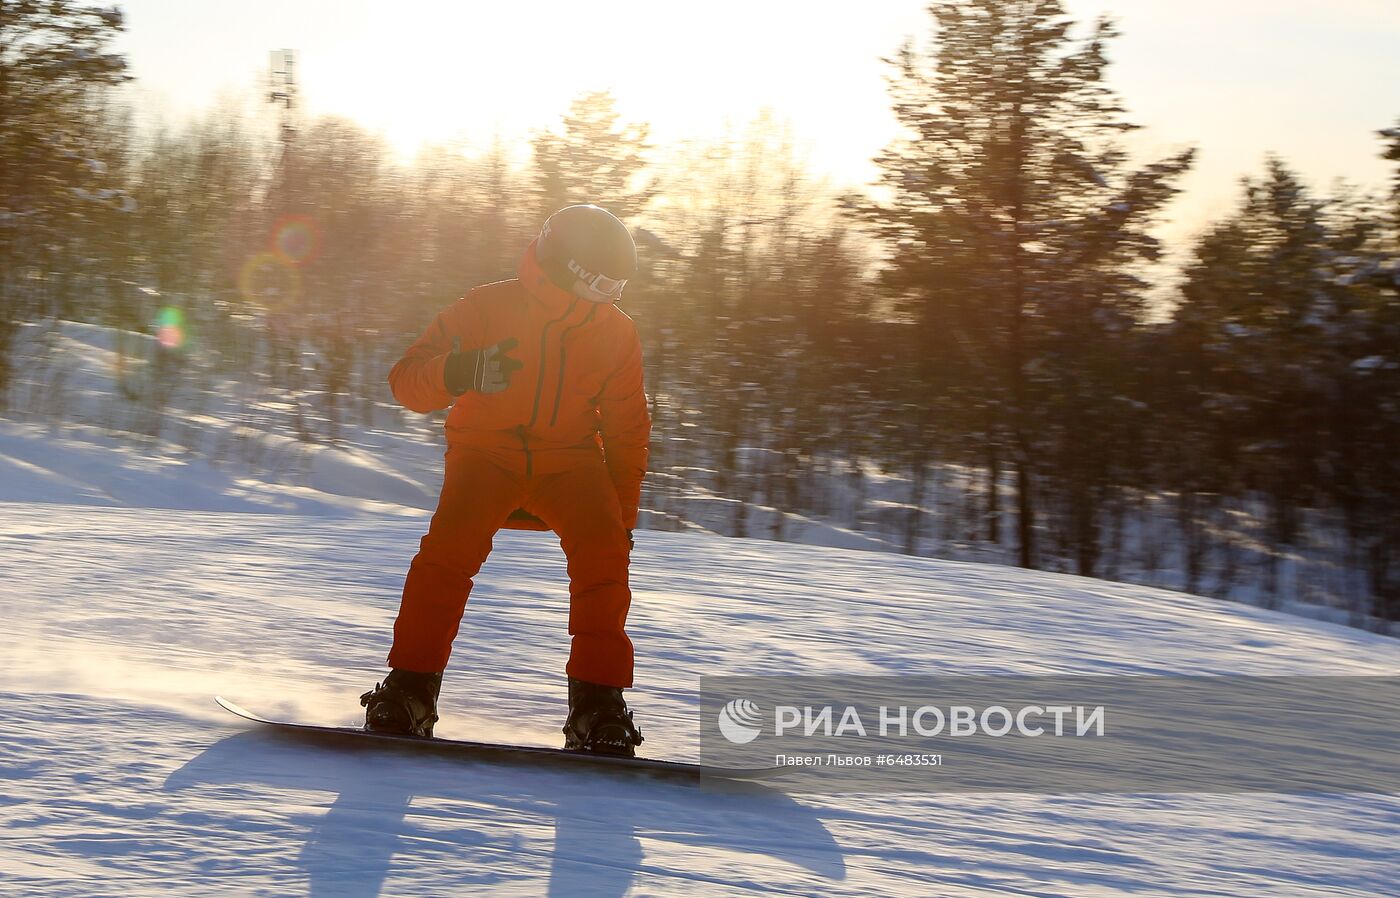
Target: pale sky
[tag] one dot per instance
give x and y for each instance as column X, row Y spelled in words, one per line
column 1310, row 80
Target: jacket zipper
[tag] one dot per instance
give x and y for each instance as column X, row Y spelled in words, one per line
column 523, row 430
column 539, row 382
column 525, row 445
column 563, row 357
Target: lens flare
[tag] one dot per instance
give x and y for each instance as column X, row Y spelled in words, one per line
column 270, row 281
column 170, row 328
column 296, row 239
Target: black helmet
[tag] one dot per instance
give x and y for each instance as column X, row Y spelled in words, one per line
column 587, row 251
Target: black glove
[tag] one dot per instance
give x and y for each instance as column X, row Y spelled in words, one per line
column 485, row 370
column 631, row 543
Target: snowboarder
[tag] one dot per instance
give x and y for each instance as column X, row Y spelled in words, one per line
column 549, row 429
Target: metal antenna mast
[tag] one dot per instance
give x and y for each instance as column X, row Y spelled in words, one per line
column 283, row 91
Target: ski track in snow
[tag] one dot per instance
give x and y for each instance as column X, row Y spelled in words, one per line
column 119, row 776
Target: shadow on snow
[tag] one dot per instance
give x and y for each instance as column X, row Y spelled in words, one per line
column 471, row 819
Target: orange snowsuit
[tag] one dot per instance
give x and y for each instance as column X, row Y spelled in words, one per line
column 566, row 442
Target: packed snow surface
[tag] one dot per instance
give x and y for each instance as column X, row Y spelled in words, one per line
column 119, row 776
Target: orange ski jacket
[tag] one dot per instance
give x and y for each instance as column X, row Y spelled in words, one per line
column 580, row 390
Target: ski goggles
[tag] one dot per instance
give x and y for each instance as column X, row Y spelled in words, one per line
column 598, row 284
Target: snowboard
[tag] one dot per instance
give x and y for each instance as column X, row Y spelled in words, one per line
column 524, row 754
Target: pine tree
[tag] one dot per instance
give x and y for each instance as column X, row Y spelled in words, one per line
column 1370, row 475
column 54, row 60
column 1290, row 314
column 1392, row 153
column 1013, row 215
column 593, row 159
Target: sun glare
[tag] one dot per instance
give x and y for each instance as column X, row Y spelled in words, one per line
column 470, row 74
column 482, row 72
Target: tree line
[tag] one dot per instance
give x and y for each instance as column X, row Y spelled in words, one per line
column 985, row 329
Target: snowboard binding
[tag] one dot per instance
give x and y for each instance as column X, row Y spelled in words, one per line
column 404, row 704
column 600, row 721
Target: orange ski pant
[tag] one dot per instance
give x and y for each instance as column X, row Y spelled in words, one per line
column 579, row 503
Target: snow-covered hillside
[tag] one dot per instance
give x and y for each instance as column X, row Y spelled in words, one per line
column 93, row 420
column 118, row 775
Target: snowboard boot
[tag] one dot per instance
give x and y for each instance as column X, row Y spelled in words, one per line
column 599, row 721
column 405, row 703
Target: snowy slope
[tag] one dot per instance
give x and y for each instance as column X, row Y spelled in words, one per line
column 94, row 424
column 118, row 776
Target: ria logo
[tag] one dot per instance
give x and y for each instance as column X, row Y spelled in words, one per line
column 740, row 721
